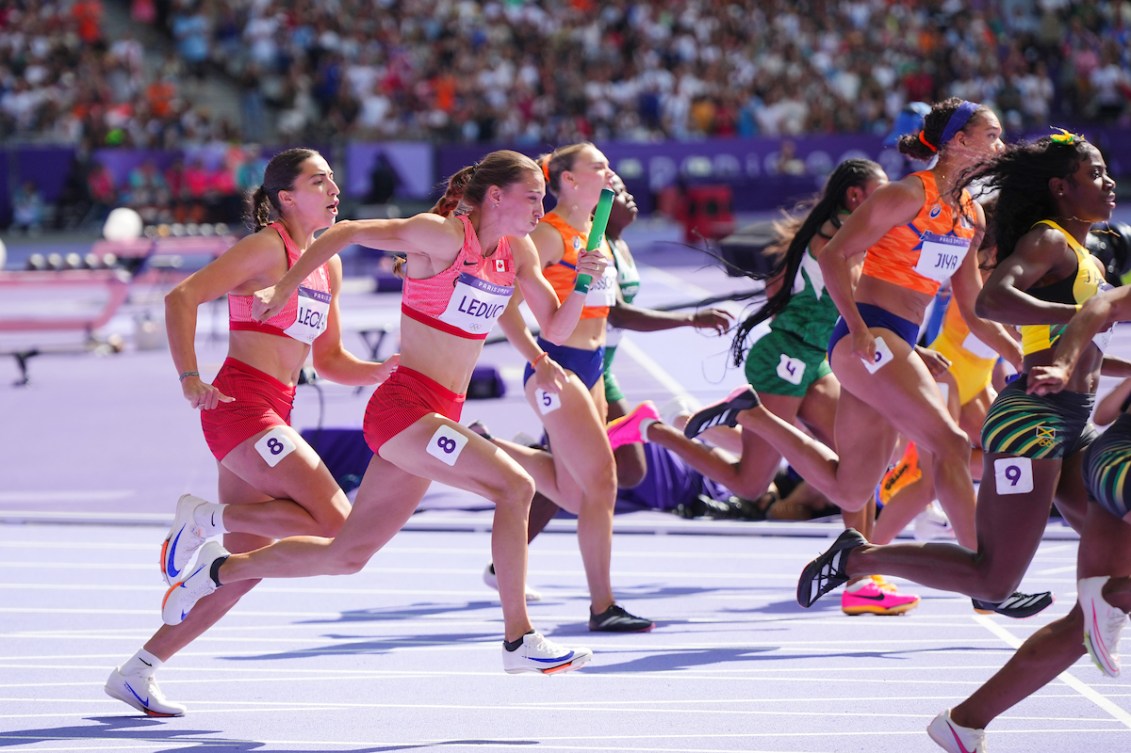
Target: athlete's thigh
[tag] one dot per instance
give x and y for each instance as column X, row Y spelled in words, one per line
column 901, row 390
column 577, row 434
column 818, row 409
column 864, row 441
column 282, row 465
column 439, row 449
column 1014, row 499
column 387, row 498
column 616, row 409
column 1071, row 495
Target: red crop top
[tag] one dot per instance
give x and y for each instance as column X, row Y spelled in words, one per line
column 468, row 297
column 304, row 316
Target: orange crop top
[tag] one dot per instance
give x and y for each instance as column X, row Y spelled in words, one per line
column 562, row 274
column 303, row 317
column 468, row 297
column 925, row 252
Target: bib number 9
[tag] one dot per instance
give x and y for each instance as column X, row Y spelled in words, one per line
column 1013, row 475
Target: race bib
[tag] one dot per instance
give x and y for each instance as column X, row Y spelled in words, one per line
column 274, row 446
column 1013, row 475
column 475, row 304
column 941, row 255
column 446, row 444
column 310, row 320
column 882, row 356
column 603, row 291
column 548, row 402
column 791, row 369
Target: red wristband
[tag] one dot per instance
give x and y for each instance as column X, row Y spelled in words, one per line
column 534, row 363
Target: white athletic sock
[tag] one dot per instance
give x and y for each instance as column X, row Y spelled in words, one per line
column 644, row 424
column 210, row 517
column 142, row 663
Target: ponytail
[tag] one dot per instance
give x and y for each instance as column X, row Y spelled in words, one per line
column 454, row 193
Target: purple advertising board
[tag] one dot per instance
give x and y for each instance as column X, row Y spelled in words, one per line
column 749, row 167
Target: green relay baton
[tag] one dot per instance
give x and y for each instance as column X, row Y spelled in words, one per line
column 600, row 222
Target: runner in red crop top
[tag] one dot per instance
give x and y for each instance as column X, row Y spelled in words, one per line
column 271, row 482
column 467, row 298
column 458, row 270
column 303, row 318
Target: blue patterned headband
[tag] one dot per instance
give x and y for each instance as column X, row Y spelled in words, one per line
column 957, row 121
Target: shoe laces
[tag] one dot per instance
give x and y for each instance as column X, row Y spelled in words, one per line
column 541, row 645
column 1114, row 619
column 884, row 585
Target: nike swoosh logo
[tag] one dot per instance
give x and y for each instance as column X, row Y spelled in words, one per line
column 962, row 748
column 169, row 567
column 467, row 263
column 567, row 657
column 858, row 595
column 142, row 701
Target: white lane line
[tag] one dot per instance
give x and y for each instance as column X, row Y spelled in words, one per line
column 649, row 364
column 66, row 495
column 1085, row 690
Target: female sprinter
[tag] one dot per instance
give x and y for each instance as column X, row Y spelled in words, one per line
column 1046, row 457
column 581, row 475
column 245, row 410
column 1051, row 191
column 460, row 273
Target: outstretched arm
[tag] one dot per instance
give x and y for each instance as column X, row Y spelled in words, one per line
column 422, row 233
column 331, row 358
column 637, row 319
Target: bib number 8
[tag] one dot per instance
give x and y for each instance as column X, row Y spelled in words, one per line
column 274, row 446
column 446, row 444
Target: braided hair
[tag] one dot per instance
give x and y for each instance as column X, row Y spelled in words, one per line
column 1020, row 175
column 469, row 185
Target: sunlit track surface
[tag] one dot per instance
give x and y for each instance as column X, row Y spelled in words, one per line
column 405, row 655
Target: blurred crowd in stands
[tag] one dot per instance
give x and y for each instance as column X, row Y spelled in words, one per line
column 220, row 74
column 535, row 71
